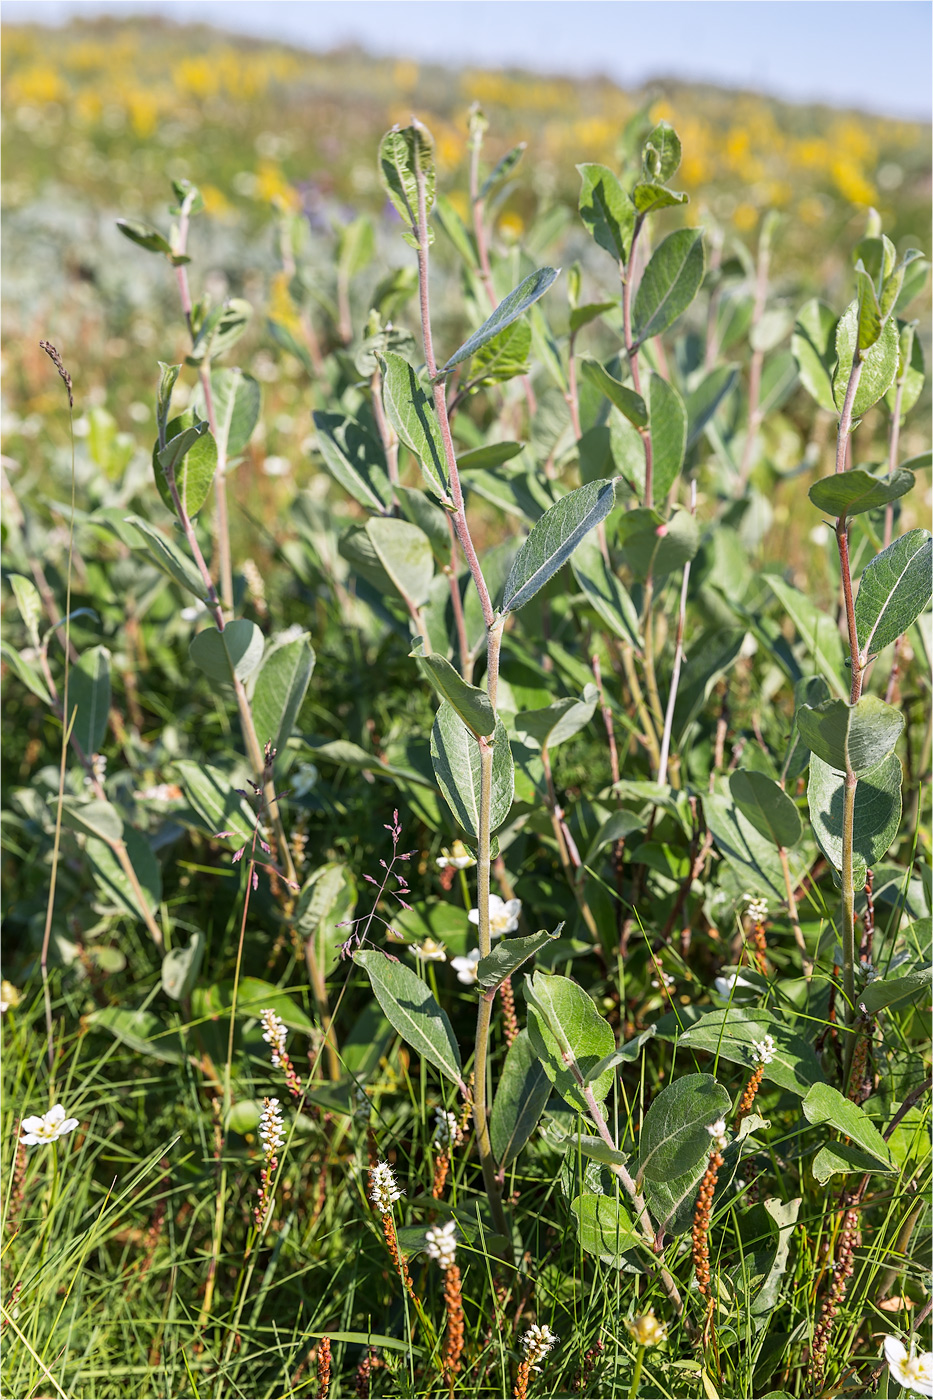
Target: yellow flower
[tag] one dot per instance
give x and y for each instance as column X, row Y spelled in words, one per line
column 647, row 1330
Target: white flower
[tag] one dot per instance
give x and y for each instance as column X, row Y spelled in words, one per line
column 757, row 909
column 384, row 1189
column 668, row 981
column 271, row 1129
column 909, row 1370
column 9, row 996
column 647, row 1330
column 503, row 915
column 47, row 1128
column 445, row 1129
column 536, row 1343
column 458, row 857
column 717, row 1132
column 724, row 985
column 441, row 1244
column 276, row 466
column 430, row 951
column 274, row 1033
column 465, row 968
column 819, row 534
column 763, row 1050
column 193, row 613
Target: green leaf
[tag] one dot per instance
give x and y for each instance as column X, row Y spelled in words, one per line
column 237, row 399
column 824, row 1104
column 403, row 151
column 651, row 545
column 232, row 654
column 411, row 413
column 869, row 312
column 422, row 511
column 895, row 992
column 412, row 1010
column 112, row 879
column 731, row 1035
column 674, row 1133
column 661, row 153
column 353, row 458
column 190, row 455
column 141, row 1031
column 556, row 723
column 604, row 1227
column 669, row 283
column 144, row 235
column 504, row 357
column 509, row 955
column 879, row 362
column 649, row 197
column 355, row 247
column 567, row 1031
column 877, row 813
column 668, row 419
column 703, row 402
column 607, row 210
column 910, row 369
column 470, row 702
column 813, row 345
column 855, row 491
column 838, row 1158
column 625, row 1054
column 27, row 673
column 89, row 690
column 581, row 316
column 626, row 400
column 488, row 457
column 29, row 603
column 894, row 590
column 767, row 806
column 604, row 592
column 509, row 309
column 851, row 738
column 503, row 169
column 405, row 553
column 100, row 819
column 753, row 856
column 553, row 539
column 455, row 753
column 521, row 1094
column 215, row 801
column 280, row 689
column 456, row 230
column 220, row 331
column 180, row 967
column 169, row 558
column 672, row 1200
column 816, row 629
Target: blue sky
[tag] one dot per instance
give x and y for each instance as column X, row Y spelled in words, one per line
column 872, row 54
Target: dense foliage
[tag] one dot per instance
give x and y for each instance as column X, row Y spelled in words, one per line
column 491, row 718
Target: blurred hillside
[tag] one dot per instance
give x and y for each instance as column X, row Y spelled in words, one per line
column 99, row 117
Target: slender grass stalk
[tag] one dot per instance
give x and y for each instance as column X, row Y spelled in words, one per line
column 678, row 658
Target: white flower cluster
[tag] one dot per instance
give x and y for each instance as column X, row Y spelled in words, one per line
column 457, row 858
column 465, row 968
column 503, row 915
column 430, row 951
column 384, row 1191
column 48, row 1127
column 666, row 980
column 441, row 1244
column 274, row 1032
column 717, row 1132
column 271, row 1128
column 536, row 1343
column 757, row 908
column 914, row 1372
column 763, row 1050
column 446, row 1128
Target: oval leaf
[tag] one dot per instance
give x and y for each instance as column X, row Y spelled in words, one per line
column 560, row 721
column 674, row 1135
column 567, row 1030
column 412, row 415
column 625, row 399
column 604, row 1227
column 455, row 753
column 231, row 654
column 280, row 689
column 514, row 305
column 669, row 283
column 606, row 210
column 89, row 691
column 879, row 362
column 554, row 538
column 405, row 553
column 471, row 703
column 412, row 1010
column 894, row 590
column 509, row 955
column 354, row 459
column 850, row 738
column 855, row 491
column 877, row 812
column 521, row 1094
column 767, row 806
